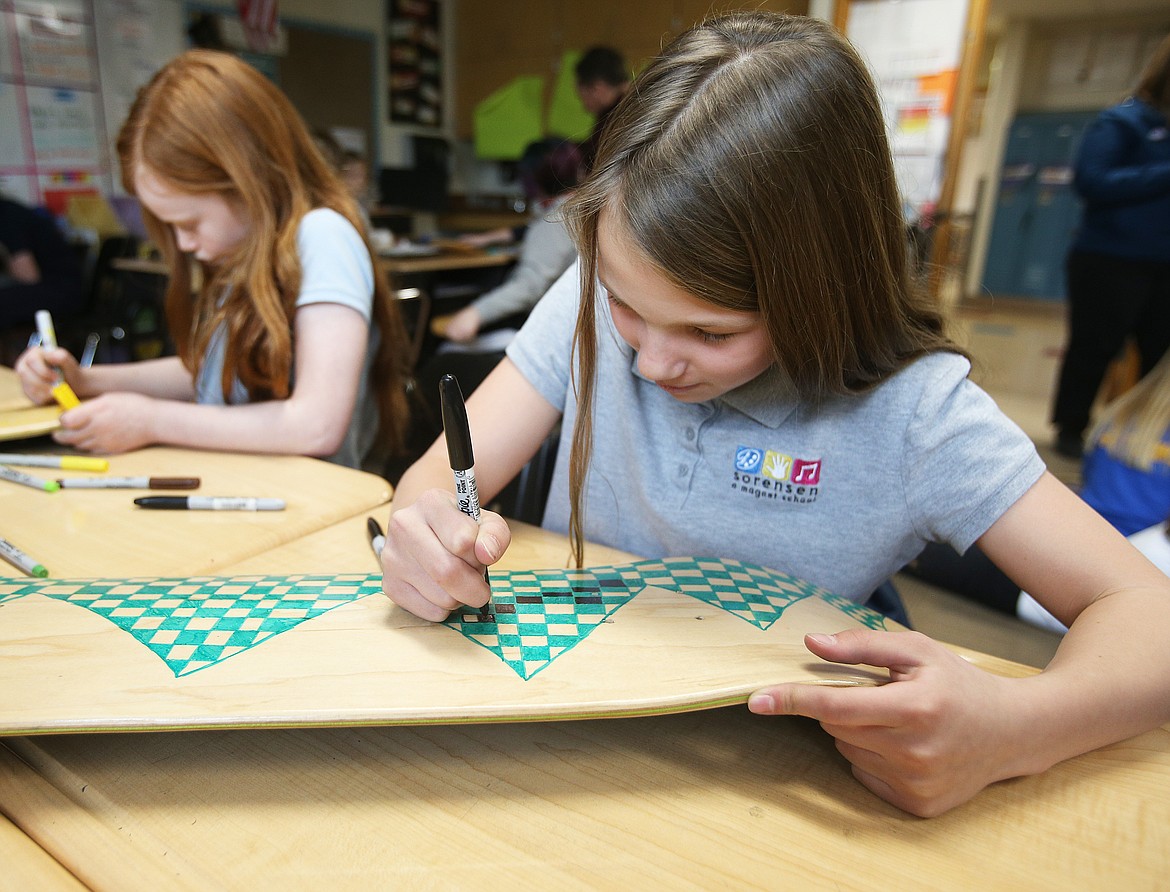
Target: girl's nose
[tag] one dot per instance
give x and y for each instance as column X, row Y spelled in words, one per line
column 659, row 358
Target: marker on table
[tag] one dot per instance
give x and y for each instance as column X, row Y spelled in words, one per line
column 61, row 391
column 129, row 483
column 458, row 435
column 64, row 462
column 22, row 561
column 377, row 537
column 210, row 503
column 14, row 476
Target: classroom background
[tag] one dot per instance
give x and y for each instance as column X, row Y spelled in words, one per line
column 986, row 100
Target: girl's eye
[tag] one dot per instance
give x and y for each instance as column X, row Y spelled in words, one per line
column 709, row 337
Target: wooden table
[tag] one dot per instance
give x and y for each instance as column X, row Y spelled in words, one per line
column 714, row 799
column 87, row 532
column 27, row 865
column 445, row 261
column 396, row 266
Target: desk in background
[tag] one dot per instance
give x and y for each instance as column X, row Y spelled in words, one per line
column 445, row 261
column 715, row 799
column 100, row 532
column 395, row 266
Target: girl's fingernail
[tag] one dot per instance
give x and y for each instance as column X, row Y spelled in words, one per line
column 761, row 703
column 492, row 546
column 823, row 639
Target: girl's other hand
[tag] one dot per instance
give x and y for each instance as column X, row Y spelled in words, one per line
column 111, row 423
column 435, row 555
column 38, row 369
column 932, row 738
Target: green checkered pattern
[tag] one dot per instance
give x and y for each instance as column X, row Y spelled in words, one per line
column 753, row 593
column 533, row 616
column 193, row 623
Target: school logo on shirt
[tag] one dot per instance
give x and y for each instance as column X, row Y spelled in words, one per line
column 770, row 474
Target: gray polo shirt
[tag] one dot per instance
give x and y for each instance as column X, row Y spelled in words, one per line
column 842, row 495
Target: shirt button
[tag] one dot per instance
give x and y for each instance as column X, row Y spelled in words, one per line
column 690, row 433
column 682, row 470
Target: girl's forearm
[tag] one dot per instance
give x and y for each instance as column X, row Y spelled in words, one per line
column 1117, row 644
column 274, row 426
column 165, row 378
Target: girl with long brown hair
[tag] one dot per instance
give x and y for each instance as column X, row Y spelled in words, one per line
column 742, row 369
column 288, row 340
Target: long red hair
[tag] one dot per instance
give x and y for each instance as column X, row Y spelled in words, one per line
column 210, row 123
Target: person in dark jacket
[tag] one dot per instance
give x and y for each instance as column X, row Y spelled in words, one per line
column 602, row 80
column 1119, row 265
column 38, row 269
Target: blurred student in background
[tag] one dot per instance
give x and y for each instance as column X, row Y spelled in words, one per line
column 603, row 78
column 38, row 269
column 546, row 250
column 1126, row 479
column 1119, row 265
column 288, row 340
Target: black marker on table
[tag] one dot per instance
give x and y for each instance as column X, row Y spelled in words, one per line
column 209, row 503
column 458, row 435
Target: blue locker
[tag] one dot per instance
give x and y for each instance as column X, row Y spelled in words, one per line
column 1036, row 209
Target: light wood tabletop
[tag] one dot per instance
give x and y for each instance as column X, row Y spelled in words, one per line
column 445, row 261
column 101, row 533
column 27, row 865
column 712, row 799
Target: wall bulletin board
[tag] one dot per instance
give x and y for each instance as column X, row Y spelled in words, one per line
column 52, row 141
column 415, row 59
column 69, row 70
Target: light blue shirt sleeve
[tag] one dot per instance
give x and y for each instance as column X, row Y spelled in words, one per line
column 335, row 266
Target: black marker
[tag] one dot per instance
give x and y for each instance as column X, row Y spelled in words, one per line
column 209, row 503
column 458, row 436
column 377, row 537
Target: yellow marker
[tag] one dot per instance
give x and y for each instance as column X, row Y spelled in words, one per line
column 61, row 391
column 65, row 396
column 66, row 462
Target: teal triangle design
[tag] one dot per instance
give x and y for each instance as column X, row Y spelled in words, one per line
column 200, row 621
column 535, row 616
column 755, row 594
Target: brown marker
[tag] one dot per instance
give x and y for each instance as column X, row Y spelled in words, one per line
column 129, row 483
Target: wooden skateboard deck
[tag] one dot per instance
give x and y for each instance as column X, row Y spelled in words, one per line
column 17, row 424
column 639, row 638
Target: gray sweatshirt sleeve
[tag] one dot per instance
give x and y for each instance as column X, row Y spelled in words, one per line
column 547, row 251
